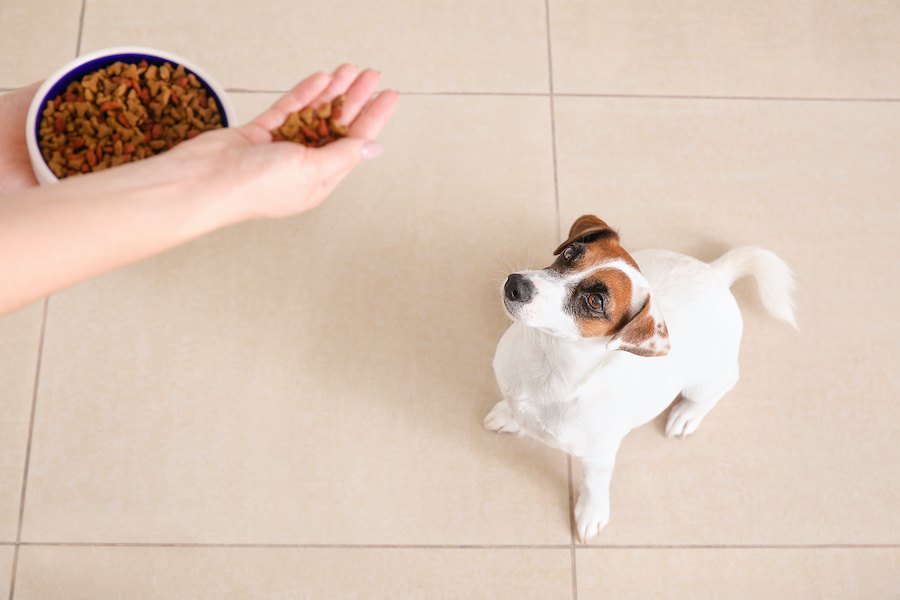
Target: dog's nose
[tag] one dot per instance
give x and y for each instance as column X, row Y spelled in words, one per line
column 518, row 288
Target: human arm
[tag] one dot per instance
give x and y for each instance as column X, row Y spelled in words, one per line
column 56, row 235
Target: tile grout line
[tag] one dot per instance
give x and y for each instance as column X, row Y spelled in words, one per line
column 572, row 554
column 611, row 96
column 552, row 120
column 289, row 546
column 572, row 562
column 238, row 90
column 739, row 546
column 34, row 393
column 712, row 97
column 37, row 375
column 80, row 28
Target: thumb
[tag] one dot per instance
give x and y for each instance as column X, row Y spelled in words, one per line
column 344, row 154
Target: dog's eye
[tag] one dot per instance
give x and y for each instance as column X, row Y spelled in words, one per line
column 595, row 301
column 569, row 254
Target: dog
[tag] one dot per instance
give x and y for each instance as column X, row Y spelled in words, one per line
column 602, row 341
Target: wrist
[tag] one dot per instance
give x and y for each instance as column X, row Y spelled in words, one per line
column 193, row 189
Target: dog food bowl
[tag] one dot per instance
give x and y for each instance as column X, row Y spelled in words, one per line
column 57, row 83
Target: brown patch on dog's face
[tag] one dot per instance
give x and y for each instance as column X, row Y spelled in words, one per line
column 612, row 288
column 591, row 242
column 600, row 302
column 585, row 228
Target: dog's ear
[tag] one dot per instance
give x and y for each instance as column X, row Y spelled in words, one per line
column 645, row 334
column 588, row 228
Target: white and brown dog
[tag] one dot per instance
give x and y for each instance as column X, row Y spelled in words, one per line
column 602, row 342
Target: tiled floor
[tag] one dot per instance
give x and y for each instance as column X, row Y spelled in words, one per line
column 292, row 409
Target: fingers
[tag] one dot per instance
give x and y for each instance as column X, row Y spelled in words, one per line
column 366, row 116
column 343, row 155
column 342, row 78
column 300, row 96
column 358, row 94
column 375, row 115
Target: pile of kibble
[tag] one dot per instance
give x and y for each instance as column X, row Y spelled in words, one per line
column 122, row 113
column 313, row 127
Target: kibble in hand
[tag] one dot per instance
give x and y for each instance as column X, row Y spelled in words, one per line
column 313, row 127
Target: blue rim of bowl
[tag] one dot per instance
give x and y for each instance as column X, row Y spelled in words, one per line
column 104, row 61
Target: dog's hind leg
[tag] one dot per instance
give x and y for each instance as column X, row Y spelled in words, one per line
column 696, row 402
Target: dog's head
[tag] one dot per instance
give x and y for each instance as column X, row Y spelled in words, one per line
column 594, row 289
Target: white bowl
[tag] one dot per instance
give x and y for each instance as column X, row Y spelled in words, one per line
column 58, row 82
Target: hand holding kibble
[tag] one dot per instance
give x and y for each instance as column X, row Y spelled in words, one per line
column 344, row 115
column 57, row 235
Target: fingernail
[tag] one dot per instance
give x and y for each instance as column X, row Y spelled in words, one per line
column 372, row 150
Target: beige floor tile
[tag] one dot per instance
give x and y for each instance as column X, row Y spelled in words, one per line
column 804, row 450
column 222, row 573
column 6, row 558
column 20, row 334
column 317, row 380
column 774, row 573
column 748, row 48
column 424, row 46
column 36, row 38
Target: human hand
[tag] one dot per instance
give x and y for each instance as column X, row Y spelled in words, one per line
column 247, row 175
column 15, row 165
column 53, row 236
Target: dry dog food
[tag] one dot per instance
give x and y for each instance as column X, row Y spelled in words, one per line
column 123, row 113
column 313, row 127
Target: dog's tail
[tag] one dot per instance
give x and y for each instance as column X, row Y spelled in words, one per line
column 773, row 277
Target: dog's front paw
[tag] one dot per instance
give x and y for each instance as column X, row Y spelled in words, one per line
column 591, row 515
column 684, row 418
column 501, row 419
